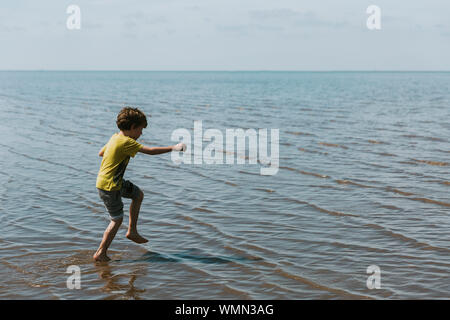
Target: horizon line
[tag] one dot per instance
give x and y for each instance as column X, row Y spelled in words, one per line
column 212, row 70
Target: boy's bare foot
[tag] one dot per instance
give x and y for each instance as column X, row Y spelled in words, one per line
column 134, row 236
column 101, row 257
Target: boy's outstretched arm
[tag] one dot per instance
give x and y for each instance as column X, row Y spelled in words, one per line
column 160, row 150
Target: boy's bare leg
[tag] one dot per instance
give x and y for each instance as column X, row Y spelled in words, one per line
column 108, row 237
column 132, row 233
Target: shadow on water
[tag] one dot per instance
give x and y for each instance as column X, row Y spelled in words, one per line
column 123, row 285
column 194, row 255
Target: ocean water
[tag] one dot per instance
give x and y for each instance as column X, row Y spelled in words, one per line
column 363, row 180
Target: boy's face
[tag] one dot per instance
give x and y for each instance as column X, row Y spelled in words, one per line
column 136, row 132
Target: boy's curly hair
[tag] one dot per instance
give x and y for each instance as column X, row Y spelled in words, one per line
column 129, row 117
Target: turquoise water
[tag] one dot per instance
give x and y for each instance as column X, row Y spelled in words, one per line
column 363, row 180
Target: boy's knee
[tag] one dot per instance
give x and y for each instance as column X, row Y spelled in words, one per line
column 118, row 221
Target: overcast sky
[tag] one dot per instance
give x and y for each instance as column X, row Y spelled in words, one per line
column 225, row 35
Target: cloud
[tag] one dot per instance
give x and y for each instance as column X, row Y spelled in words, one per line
column 443, row 30
column 294, row 18
column 245, row 29
column 279, row 21
column 137, row 19
column 10, row 28
column 193, row 8
column 274, row 14
column 92, row 25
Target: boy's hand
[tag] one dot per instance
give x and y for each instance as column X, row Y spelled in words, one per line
column 179, row 147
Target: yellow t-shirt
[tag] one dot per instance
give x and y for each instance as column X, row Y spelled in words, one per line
column 117, row 153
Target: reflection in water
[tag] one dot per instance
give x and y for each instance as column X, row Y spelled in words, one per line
column 114, row 282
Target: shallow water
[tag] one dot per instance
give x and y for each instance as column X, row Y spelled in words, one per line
column 363, row 180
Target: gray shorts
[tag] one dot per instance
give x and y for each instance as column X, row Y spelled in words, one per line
column 113, row 199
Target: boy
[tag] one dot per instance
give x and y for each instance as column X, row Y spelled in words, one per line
column 110, row 183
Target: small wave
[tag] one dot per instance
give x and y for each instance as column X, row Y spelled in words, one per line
column 67, row 224
column 352, row 183
column 64, row 131
column 426, row 200
column 214, row 179
column 235, row 292
column 203, row 210
column 445, row 183
column 275, row 287
column 162, row 195
column 316, row 285
column 403, row 193
column 322, row 186
column 330, row 212
column 386, row 154
column 333, row 213
column 258, row 248
column 376, row 165
column 267, row 264
column 376, row 142
column 265, row 190
column 413, row 136
column 288, row 168
column 201, row 272
column 38, row 285
column 210, row 226
column 51, row 162
column 415, row 242
column 305, row 172
column 432, row 163
column 297, row 133
column 16, row 268
column 250, row 173
column 332, row 145
column 444, row 151
column 168, row 224
column 238, row 154
column 243, row 253
column 390, row 207
column 358, row 247
column 95, row 209
column 324, row 176
column 312, row 151
column 408, row 162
